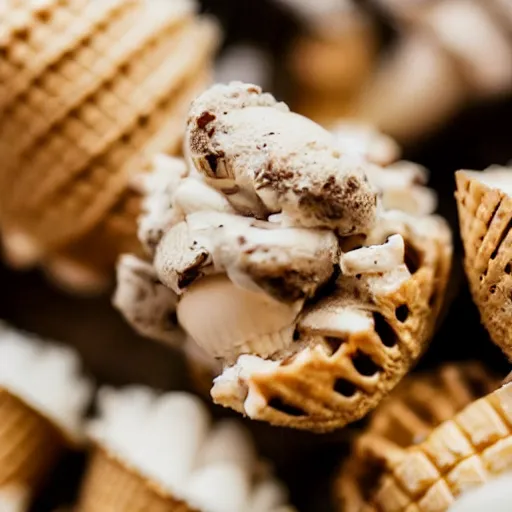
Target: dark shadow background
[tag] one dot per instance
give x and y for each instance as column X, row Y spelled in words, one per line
column 113, row 354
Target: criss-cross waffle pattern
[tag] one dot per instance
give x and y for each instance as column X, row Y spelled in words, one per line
column 112, row 485
column 485, row 213
column 357, row 352
column 29, row 445
column 431, row 440
column 88, row 90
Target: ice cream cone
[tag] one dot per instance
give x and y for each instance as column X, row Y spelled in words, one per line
column 41, row 404
column 82, row 110
column 30, row 445
column 447, row 55
column 161, row 453
column 428, row 443
column 355, row 354
column 485, row 212
column 112, row 485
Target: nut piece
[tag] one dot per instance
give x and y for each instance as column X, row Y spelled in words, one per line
column 375, row 258
column 266, row 159
column 148, row 305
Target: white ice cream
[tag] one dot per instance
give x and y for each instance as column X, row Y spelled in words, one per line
column 170, row 440
column 46, row 377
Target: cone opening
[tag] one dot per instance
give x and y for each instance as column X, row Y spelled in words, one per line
column 384, row 330
column 402, row 313
column 364, row 364
column 345, row 388
column 280, row 405
column 412, row 258
column 334, row 343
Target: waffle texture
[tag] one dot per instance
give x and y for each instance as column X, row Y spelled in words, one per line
column 429, row 442
column 88, row 91
column 358, row 350
column 485, row 214
column 111, row 485
column 29, row 446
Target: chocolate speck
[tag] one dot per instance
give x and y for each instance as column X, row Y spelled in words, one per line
column 352, row 185
column 212, row 162
column 204, row 119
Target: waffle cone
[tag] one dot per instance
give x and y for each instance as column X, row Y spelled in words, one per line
column 81, row 111
column 29, row 445
column 430, row 441
column 485, row 215
column 111, row 486
column 346, row 373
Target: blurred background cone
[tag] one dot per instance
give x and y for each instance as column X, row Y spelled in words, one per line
column 429, row 442
column 111, row 485
column 88, row 91
column 29, row 447
column 42, row 401
column 485, row 214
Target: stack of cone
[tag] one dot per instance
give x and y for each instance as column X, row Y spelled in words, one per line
column 88, row 91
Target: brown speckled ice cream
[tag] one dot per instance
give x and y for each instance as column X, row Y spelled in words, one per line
column 289, row 261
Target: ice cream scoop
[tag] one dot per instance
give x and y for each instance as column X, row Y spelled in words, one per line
column 283, row 296
column 266, row 160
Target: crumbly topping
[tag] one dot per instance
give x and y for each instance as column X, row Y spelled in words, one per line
column 287, row 263
column 146, row 303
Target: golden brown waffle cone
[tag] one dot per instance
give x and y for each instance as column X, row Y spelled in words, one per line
column 112, row 486
column 485, row 215
column 89, row 91
column 431, row 440
column 29, row 445
column 346, row 374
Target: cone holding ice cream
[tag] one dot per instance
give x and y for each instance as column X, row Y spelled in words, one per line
column 162, row 453
column 89, row 91
column 287, row 261
column 42, row 401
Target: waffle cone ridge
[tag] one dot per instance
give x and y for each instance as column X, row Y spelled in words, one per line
column 110, row 485
column 430, row 441
column 485, row 215
column 29, row 444
column 88, row 92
